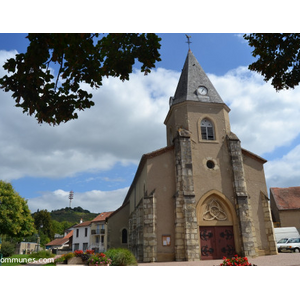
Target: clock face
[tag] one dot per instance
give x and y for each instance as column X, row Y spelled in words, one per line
column 202, row 90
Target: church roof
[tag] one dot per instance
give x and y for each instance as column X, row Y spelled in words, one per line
column 192, row 77
column 286, row 198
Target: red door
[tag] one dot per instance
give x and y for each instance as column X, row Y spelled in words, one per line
column 216, row 242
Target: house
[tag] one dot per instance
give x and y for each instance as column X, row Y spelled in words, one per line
column 91, row 234
column 63, row 244
column 26, row 247
column 81, row 236
column 285, row 206
column 202, row 196
column 98, row 237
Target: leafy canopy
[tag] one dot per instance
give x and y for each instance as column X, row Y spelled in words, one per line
column 15, row 217
column 279, row 57
column 79, row 58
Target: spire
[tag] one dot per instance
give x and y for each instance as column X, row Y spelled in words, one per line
column 194, row 85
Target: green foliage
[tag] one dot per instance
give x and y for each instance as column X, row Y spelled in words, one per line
column 121, row 257
column 41, row 254
column 7, row 248
column 80, row 58
column 278, row 57
column 43, row 225
column 72, row 215
column 15, row 218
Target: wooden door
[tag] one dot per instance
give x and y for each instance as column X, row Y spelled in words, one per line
column 216, row 242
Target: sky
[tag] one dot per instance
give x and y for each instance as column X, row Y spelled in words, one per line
column 96, row 156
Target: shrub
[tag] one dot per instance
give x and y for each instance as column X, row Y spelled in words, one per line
column 7, row 249
column 99, row 259
column 121, row 257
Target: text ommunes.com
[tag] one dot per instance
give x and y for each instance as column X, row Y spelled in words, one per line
column 24, row 260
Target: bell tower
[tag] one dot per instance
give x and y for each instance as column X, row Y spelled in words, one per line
column 198, row 126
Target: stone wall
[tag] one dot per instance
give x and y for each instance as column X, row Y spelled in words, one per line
column 268, row 225
column 242, row 202
column 186, row 228
column 142, row 230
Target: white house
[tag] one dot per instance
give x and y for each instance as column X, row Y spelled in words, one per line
column 91, row 234
column 81, row 236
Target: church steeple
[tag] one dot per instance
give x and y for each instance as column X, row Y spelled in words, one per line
column 194, row 85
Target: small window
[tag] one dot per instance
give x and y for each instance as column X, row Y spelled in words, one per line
column 207, row 130
column 210, row 164
column 124, row 236
column 77, row 232
column 85, row 231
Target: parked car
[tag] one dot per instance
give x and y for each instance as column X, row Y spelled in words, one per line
column 291, row 245
column 282, row 242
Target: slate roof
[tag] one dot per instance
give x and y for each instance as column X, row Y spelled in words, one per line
column 286, row 198
column 193, row 76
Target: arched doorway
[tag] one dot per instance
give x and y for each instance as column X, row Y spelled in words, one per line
column 217, row 226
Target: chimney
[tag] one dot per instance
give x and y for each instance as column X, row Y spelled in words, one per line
column 80, row 220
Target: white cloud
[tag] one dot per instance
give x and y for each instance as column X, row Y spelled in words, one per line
column 262, row 118
column 95, row 201
column 284, row 172
column 125, row 114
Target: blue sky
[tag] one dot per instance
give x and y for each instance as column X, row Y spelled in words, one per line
column 97, row 155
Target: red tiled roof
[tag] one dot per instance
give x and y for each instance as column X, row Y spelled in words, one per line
column 102, row 216
column 83, row 224
column 286, row 198
column 59, row 242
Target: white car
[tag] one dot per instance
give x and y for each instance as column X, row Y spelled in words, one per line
column 291, row 245
column 282, row 242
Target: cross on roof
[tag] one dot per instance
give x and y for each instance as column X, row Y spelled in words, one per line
column 188, row 40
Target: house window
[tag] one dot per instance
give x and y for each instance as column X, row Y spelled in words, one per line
column 76, row 247
column 85, row 231
column 77, row 232
column 124, row 236
column 207, row 130
column 85, row 246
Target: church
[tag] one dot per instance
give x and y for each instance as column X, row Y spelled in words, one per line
column 202, row 196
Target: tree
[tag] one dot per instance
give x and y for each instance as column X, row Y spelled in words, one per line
column 44, row 226
column 15, row 217
column 279, row 57
column 80, row 58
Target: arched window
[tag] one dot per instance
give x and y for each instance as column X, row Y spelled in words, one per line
column 207, row 130
column 124, row 236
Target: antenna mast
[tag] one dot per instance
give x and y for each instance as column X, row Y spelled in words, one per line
column 71, row 195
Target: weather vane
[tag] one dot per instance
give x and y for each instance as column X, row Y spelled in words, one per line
column 188, row 40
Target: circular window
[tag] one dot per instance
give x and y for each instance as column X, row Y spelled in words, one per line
column 210, row 164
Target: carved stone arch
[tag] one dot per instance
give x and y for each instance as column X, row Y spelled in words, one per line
column 215, row 209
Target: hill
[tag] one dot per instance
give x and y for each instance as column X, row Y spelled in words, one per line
column 72, row 215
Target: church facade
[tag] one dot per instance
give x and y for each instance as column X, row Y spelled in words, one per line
column 202, row 196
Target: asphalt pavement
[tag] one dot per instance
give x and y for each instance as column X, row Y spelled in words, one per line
column 281, row 259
